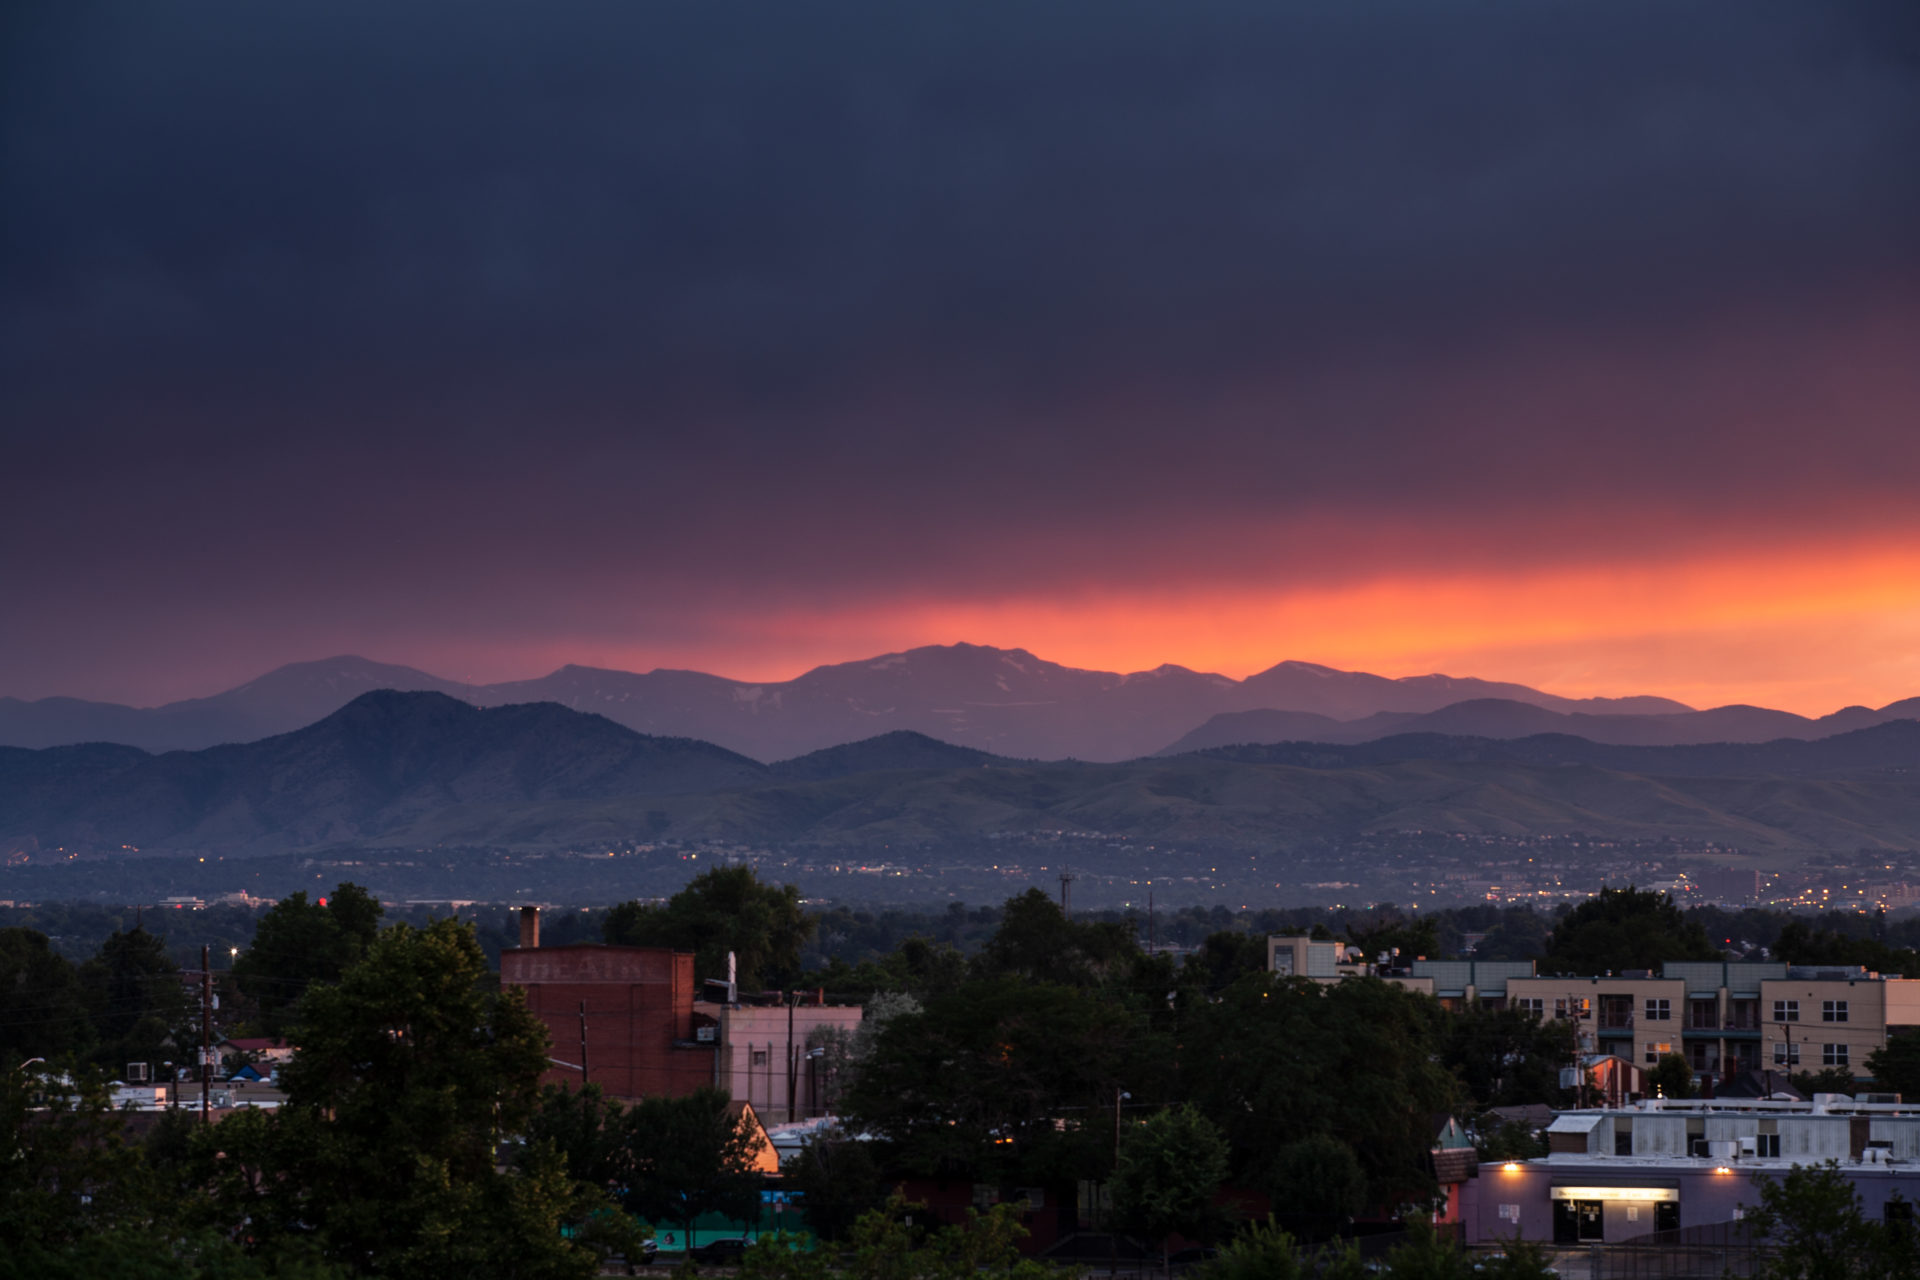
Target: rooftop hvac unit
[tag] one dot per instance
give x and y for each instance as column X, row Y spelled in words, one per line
column 1892, row 1098
column 1747, row 1146
column 1722, row 1149
column 137, row 1073
column 1875, row 1155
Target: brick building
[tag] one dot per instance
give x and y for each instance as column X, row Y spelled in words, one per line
column 627, row 1011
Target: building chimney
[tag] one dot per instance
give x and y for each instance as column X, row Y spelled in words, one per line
column 529, row 928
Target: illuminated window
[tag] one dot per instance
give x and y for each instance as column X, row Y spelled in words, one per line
column 1655, row 1052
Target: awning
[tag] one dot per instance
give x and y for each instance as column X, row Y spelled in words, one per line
column 1575, row 1123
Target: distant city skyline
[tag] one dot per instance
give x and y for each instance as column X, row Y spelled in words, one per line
column 1567, row 345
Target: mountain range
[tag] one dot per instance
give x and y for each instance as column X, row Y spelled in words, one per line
column 397, row 769
column 1004, row 701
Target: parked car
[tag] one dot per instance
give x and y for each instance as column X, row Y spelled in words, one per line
column 725, row 1249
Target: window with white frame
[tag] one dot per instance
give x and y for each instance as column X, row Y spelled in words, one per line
column 1833, row 1055
column 1534, row 1005
column 1833, row 1011
column 1786, row 1054
column 1659, row 1011
column 1658, row 1050
column 1786, row 1011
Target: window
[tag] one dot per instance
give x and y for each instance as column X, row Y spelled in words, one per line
column 759, row 1057
column 1833, row 1011
column 1659, row 1011
column 1531, row 1004
column 1767, row 1146
column 1657, row 1051
column 1786, row 1055
column 1571, row 1007
column 1786, row 1011
column 1833, row 1055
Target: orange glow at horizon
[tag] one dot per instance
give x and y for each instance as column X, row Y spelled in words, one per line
column 1807, row 632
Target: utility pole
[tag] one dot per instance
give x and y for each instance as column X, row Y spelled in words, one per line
column 1153, row 935
column 206, row 1036
column 793, row 998
column 583, row 1044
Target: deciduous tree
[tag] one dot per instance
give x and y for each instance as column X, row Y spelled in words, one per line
column 1624, row 929
column 299, row 943
column 139, row 1009
column 1170, row 1168
column 43, row 1009
column 726, row 909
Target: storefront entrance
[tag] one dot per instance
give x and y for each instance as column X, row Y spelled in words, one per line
column 1578, row 1221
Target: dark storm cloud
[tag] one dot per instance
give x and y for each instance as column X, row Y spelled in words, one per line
column 353, row 297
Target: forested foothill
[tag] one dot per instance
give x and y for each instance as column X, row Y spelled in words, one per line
column 1202, row 1098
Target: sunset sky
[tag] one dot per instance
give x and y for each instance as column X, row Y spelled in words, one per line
column 1571, row 343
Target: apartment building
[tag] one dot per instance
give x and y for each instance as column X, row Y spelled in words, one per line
column 1301, row 957
column 1708, row 1013
column 1723, row 1017
column 1612, row 1174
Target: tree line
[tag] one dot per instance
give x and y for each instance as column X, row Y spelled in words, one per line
column 1052, row 1052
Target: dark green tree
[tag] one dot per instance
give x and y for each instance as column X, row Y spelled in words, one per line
column 139, row 1009
column 1813, row 1220
column 976, row 1083
column 1624, row 929
column 1037, row 942
column 1170, row 1168
column 1896, row 1066
column 839, row 1180
column 1260, row 1251
column 411, row 1070
column 1798, row 943
column 43, row 1010
column 588, row 1131
column 687, row 1157
column 1506, row 1057
column 299, row 943
column 1277, row 1060
column 1318, row 1182
column 726, row 909
column 1671, row 1077
column 1225, row 958
column 1825, row 1080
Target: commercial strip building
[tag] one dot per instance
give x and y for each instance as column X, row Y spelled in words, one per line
column 1613, row 1174
column 1725, row 1018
